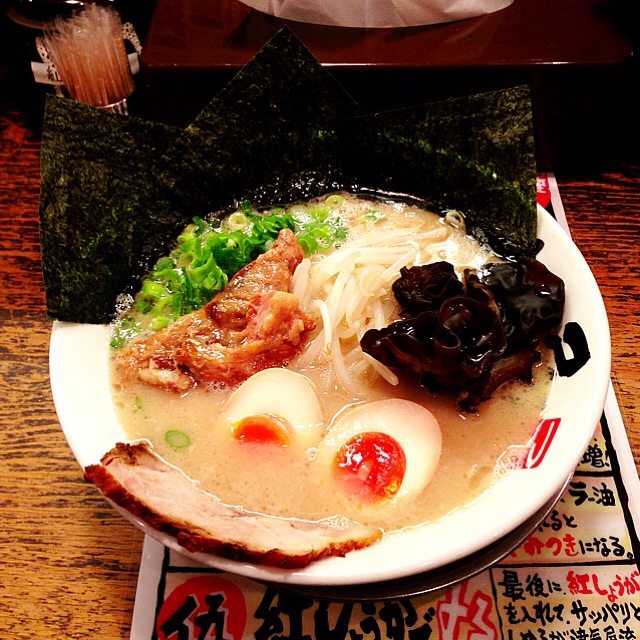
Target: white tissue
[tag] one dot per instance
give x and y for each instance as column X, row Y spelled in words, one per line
column 377, row 13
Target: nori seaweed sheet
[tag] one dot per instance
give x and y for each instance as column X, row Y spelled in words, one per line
column 475, row 154
column 275, row 119
column 116, row 189
column 101, row 202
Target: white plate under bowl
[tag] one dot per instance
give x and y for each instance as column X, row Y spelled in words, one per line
column 79, row 382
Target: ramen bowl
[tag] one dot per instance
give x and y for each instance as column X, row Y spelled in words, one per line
column 79, row 371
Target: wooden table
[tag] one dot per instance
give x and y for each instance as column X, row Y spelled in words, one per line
column 69, row 562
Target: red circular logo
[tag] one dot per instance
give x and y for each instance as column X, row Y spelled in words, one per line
column 203, row 608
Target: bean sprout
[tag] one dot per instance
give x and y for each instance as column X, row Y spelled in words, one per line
column 348, row 292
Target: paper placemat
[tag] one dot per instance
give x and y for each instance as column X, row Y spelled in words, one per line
column 576, row 577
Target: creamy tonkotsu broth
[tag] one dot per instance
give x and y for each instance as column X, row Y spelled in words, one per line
column 347, row 291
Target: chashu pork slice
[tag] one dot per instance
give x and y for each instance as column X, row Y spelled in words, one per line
column 252, row 324
column 141, row 482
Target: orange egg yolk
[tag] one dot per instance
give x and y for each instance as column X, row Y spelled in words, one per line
column 371, row 465
column 261, row 429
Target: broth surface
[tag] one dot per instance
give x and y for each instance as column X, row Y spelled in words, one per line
column 289, row 481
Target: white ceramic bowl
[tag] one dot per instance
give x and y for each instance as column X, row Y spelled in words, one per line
column 79, row 381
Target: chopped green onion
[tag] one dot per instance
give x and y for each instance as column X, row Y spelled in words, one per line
column 319, row 214
column 159, row 322
column 205, row 257
column 373, row 216
column 334, row 201
column 177, row 439
column 152, row 290
column 237, row 221
column 164, row 264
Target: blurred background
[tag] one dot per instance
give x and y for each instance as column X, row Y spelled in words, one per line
column 578, row 56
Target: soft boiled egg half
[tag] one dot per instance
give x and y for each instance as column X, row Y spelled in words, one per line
column 381, row 451
column 275, row 406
